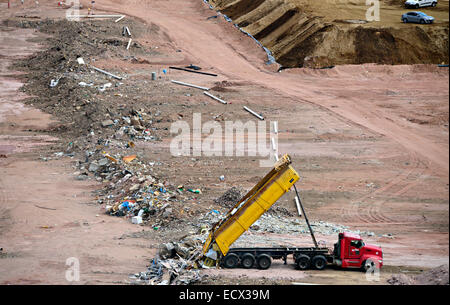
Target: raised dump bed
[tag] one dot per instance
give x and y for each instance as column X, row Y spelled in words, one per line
column 250, row 208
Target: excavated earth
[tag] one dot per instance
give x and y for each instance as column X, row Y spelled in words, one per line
column 333, row 32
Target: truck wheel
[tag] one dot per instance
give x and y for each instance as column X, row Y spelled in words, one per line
column 231, row 261
column 405, row 20
column 319, row 262
column 433, row 4
column 369, row 265
column 248, row 260
column 264, row 261
column 303, row 262
column 422, row 21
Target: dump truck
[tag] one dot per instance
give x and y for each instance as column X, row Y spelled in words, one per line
column 350, row 251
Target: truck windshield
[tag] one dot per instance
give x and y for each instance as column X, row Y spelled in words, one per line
column 357, row 243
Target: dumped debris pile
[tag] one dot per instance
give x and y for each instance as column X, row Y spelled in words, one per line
column 176, row 263
column 64, row 82
column 230, row 197
column 435, row 276
column 103, row 119
column 169, row 272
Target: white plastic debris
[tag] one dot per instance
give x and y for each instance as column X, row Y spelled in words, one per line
column 136, row 220
column 54, row 83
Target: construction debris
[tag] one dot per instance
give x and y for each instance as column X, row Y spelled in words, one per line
column 254, row 113
column 215, row 97
column 230, row 197
column 98, row 16
column 189, row 85
column 120, row 18
column 193, row 71
column 176, row 263
column 107, row 73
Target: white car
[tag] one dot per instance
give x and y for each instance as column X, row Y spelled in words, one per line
column 420, row 3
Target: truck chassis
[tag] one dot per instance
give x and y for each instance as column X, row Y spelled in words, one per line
column 305, row 258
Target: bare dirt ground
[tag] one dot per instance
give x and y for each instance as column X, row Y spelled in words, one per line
column 370, row 142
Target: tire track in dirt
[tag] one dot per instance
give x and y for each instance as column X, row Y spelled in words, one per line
column 374, row 213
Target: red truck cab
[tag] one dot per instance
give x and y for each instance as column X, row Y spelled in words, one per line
column 351, row 252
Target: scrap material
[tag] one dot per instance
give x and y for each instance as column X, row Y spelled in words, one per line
column 98, row 16
column 129, row 43
column 189, row 85
column 192, row 71
column 119, row 19
column 215, row 97
column 254, row 113
column 105, row 72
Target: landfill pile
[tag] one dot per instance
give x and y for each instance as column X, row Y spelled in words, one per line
column 103, row 119
column 435, row 276
column 230, row 197
column 176, row 263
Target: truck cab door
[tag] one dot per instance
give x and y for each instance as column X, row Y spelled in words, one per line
column 354, row 254
column 354, row 250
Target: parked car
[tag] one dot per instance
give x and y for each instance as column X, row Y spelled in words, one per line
column 420, row 3
column 417, row 17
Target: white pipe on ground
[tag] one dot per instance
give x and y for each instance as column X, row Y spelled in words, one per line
column 254, row 113
column 107, row 73
column 275, row 127
column 120, row 19
column 215, row 97
column 98, row 16
column 189, row 85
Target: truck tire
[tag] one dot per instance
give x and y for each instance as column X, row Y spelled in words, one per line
column 303, row 262
column 319, row 262
column 433, row 4
column 369, row 265
column 264, row 261
column 231, row 261
column 248, row 260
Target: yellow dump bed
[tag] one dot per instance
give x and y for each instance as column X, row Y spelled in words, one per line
column 250, row 208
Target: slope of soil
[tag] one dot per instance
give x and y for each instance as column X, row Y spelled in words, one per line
column 324, row 33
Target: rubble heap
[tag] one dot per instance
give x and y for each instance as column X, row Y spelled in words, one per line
column 176, row 263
